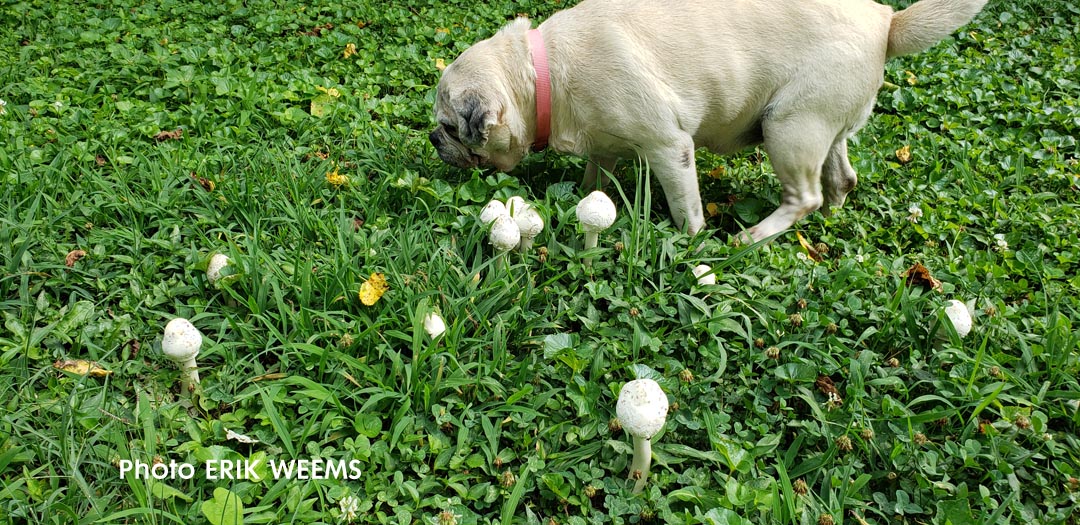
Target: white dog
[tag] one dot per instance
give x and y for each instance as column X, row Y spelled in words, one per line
column 656, row 79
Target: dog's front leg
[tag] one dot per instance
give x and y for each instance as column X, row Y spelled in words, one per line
column 673, row 164
column 597, row 172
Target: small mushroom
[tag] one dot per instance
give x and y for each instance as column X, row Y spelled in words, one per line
column 434, row 325
column 704, row 275
column 516, row 205
column 958, row 314
column 492, row 211
column 217, row 263
column 505, row 235
column 642, row 409
column 596, row 213
column 181, row 344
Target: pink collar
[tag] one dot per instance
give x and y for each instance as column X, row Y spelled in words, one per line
column 543, row 89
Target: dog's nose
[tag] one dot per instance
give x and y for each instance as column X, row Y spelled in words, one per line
column 434, row 138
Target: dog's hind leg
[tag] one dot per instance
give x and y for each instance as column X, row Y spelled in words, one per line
column 797, row 146
column 838, row 178
column 597, row 172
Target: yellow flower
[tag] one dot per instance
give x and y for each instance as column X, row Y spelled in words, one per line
column 373, row 289
column 336, row 179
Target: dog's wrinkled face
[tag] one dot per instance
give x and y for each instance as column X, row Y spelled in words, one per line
column 472, row 112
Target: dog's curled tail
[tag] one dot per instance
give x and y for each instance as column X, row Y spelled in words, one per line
column 926, row 22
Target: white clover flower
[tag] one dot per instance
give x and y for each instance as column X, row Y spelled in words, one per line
column 446, row 517
column 350, row 506
column 58, row 105
column 915, row 213
column 801, row 256
column 859, row 258
column 1000, row 244
column 3, row 108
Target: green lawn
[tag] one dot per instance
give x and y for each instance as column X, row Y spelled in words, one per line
column 509, row 416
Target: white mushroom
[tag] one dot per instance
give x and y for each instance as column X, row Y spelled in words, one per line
column 530, row 224
column 217, row 263
column 596, row 213
column 434, row 325
column 516, row 205
column 505, row 235
column 492, row 211
column 181, row 344
column 642, row 409
column 704, row 275
column 958, row 314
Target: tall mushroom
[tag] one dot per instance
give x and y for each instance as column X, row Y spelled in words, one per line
column 530, row 224
column 596, row 213
column 642, row 409
column 181, row 344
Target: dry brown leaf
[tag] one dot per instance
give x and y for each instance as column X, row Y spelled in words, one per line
column 73, row 256
column 350, row 50
column 134, row 345
column 176, row 134
column 811, row 252
column 268, row 377
column 318, row 30
column 206, row 183
column 903, row 155
column 826, row 386
column 919, row 275
column 713, row 209
column 81, row 367
column 352, row 379
column 717, row 172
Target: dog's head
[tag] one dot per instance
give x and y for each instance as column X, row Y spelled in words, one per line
column 479, row 120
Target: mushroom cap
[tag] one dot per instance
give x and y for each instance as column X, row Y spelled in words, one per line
column 959, row 316
column 529, row 222
column 492, row 211
column 217, row 263
column 516, row 205
column 505, row 235
column 181, row 340
column 700, row 272
column 434, row 325
column 642, row 407
column 596, row 212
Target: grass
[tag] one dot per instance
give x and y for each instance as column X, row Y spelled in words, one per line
column 507, row 418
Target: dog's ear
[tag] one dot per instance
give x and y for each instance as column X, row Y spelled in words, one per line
column 479, row 120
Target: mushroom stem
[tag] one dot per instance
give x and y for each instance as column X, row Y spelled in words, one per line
column 189, row 377
column 639, row 466
column 526, row 244
column 591, row 239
